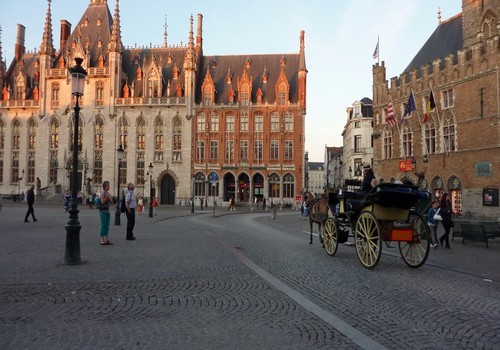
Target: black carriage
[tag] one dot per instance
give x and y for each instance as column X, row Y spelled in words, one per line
column 389, row 212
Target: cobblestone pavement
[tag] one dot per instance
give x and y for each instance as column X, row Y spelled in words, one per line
column 192, row 281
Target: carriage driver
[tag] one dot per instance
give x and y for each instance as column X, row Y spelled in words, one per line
column 369, row 180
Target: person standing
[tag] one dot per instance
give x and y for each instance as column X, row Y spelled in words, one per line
column 368, row 177
column 140, row 204
column 433, row 224
column 105, row 200
column 264, row 204
column 30, row 199
column 201, row 203
column 130, row 204
column 66, row 199
column 445, row 212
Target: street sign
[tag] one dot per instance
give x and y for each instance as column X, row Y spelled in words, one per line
column 405, row 165
column 213, row 177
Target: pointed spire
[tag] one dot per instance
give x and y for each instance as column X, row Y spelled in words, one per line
column 115, row 43
column 439, row 15
column 1, row 56
column 47, row 47
column 165, row 43
column 302, row 58
column 189, row 60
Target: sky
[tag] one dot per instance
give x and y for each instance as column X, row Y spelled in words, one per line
column 340, row 38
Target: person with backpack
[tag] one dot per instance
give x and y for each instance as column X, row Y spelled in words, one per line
column 103, row 201
column 130, row 205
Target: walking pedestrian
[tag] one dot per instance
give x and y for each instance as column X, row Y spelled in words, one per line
column 201, row 202
column 130, row 204
column 433, row 224
column 30, row 199
column 264, row 204
column 103, row 201
column 445, row 212
column 154, row 204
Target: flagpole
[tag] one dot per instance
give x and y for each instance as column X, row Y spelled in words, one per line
column 423, row 130
column 440, row 124
column 378, row 46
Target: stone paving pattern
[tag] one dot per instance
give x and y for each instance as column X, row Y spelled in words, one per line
column 177, row 287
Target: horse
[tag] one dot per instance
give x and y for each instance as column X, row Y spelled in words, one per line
column 318, row 213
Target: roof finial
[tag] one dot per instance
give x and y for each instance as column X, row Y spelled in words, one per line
column 1, row 57
column 115, row 44
column 47, row 47
column 165, row 44
column 439, row 15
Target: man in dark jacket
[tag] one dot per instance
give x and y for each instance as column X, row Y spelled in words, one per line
column 30, row 198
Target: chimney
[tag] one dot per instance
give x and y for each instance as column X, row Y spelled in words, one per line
column 19, row 48
column 65, row 32
column 199, row 32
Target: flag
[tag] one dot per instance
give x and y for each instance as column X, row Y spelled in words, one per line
column 389, row 118
column 66, row 111
column 410, row 107
column 431, row 104
column 375, row 53
column 45, row 119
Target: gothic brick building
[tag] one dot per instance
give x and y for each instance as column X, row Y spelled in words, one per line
column 240, row 117
column 457, row 150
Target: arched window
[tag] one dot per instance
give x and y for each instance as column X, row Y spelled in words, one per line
column 54, row 134
column 98, row 133
column 275, row 122
column 2, row 135
column 16, row 134
column 245, row 95
column 449, row 135
column 274, row 186
column 123, row 132
column 159, row 139
column 200, row 124
column 288, row 186
column 99, row 93
column 282, row 94
column 54, row 95
column 31, row 135
column 430, row 137
column 407, row 141
column 208, row 95
column 141, row 134
column 288, row 122
column 387, row 144
column 214, row 122
column 177, row 139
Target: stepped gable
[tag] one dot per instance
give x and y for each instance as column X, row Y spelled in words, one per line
column 446, row 39
column 88, row 28
column 167, row 58
column 269, row 65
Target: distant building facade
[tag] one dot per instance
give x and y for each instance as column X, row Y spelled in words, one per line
column 334, row 168
column 316, row 171
column 241, row 118
column 358, row 138
column 456, row 149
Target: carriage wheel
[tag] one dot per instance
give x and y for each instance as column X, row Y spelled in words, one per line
column 415, row 253
column 330, row 237
column 368, row 239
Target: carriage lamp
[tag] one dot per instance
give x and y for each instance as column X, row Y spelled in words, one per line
column 350, row 172
column 72, row 251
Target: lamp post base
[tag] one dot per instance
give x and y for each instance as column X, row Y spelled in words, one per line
column 72, row 252
column 117, row 216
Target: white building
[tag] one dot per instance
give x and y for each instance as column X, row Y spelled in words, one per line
column 358, row 138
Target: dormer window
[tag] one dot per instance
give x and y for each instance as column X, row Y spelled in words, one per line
column 169, row 58
column 99, row 42
column 247, row 63
column 282, row 92
column 245, row 95
column 207, row 95
column 99, row 21
column 86, row 22
column 214, row 64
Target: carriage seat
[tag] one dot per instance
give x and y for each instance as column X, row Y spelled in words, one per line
column 392, row 195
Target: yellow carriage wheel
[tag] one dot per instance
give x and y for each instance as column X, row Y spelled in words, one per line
column 368, row 239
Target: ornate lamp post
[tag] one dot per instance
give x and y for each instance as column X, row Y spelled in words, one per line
column 150, row 172
column 120, row 152
column 192, row 194
column 420, row 175
column 72, row 252
column 350, row 172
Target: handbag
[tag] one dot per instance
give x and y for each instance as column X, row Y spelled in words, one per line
column 437, row 216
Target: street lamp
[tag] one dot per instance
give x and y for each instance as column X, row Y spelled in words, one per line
column 72, row 252
column 350, row 172
column 150, row 172
column 420, row 175
column 120, row 152
column 192, row 194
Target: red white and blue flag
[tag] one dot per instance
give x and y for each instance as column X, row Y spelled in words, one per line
column 390, row 118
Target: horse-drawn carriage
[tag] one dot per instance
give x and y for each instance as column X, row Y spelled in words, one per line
column 387, row 213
